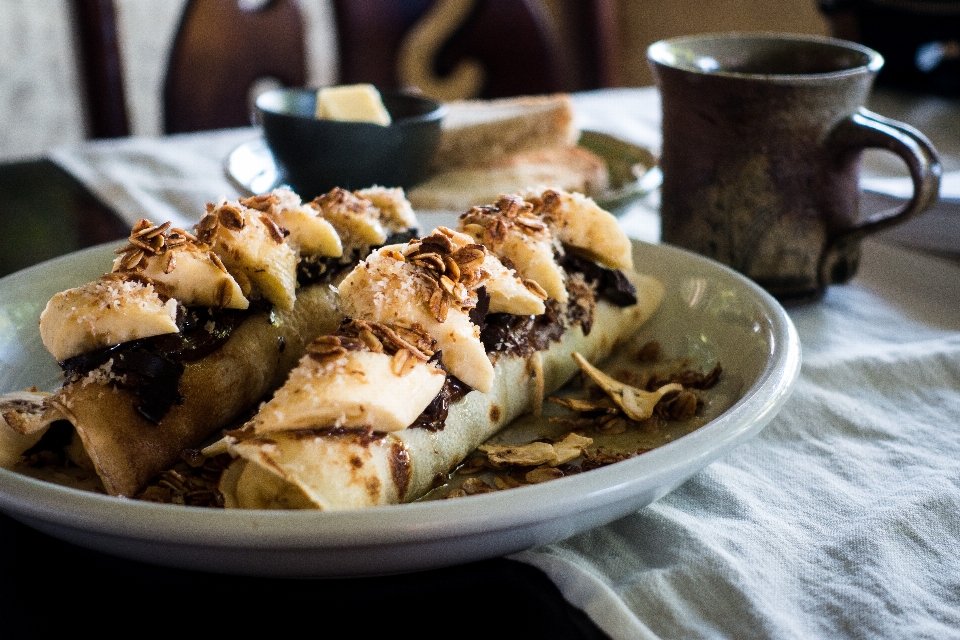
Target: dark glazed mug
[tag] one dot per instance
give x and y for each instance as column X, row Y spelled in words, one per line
column 762, row 138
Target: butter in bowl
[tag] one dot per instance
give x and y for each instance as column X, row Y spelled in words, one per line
column 360, row 139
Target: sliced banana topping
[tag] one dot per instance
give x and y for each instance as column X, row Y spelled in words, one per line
column 370, row 376
column 577, row 221
column 252, row 247
column 511, row 230
column 192, row 273
column 396, row 213
column 356, row 219
column 432, row 283
column 309, row 233
column 117, row 308
column 508, row 293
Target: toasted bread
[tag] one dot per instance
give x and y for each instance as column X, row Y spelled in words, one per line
column 568, row 168
column 478, row 132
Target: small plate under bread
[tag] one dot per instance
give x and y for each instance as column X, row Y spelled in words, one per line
column 633, row 171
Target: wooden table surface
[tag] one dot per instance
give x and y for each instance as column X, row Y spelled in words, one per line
column 45, row 583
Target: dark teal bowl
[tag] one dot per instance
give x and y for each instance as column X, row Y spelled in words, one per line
column 314, row 156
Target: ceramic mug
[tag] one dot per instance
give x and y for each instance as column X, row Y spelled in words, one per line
column 762, row 138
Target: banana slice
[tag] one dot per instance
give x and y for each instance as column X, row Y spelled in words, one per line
column 510, row 230
column 508, row 293
column 192, row 274
column 392, row 288
column 577, row 221
column 253, row 247
column 197, row 278
column 356, row 220
column 309, row 233
column 396, row 213
column 117, row 308
column 347, row 388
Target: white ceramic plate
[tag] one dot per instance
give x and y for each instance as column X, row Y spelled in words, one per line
column 709, row 312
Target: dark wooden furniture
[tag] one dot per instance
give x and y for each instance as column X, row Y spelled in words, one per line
column 520, row 45
column 45, row 212
column 221, row 49
column 100, row 71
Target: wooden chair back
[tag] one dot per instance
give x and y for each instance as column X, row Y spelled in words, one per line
column 220, row 51
column 101, row 75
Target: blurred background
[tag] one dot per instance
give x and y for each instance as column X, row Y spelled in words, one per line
column 41, row 103
column 41, row 95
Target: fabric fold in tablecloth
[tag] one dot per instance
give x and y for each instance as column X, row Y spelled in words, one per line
column 840, row 520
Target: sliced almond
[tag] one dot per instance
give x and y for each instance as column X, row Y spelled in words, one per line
column 636, row 403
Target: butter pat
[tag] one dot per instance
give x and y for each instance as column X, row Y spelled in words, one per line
column 353, row 103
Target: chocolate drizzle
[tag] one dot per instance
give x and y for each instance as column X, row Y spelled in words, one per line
column 434, row 417
column 151, row 367
column 317, row 269
column 522, row 335
column 610, row 284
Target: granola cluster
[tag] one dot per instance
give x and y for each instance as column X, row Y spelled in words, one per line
column 610, row 408
column 617, row 402
column 512, row 466
column 194, row 481
column 265, row 202
column 148, row 240
column 491, row 223
column 547, row 206
column 407, row 345
column 231, row 218
column 342, row 203
column 451, row 274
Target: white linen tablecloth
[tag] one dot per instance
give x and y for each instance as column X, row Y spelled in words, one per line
column 170, row 178
column 840, row 520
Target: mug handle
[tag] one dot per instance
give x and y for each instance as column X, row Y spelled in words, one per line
column 866, row 129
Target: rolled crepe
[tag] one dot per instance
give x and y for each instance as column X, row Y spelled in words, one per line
column 346, row 468
column 239, row 248
column 127, row 450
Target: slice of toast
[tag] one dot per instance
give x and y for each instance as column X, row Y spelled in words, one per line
column 478, row 132
column 568, row 167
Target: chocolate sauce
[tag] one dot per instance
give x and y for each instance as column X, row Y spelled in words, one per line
column 434, row 417
column 151, row 367
column 610, row 284
column 523, row 335
column 317, row 269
